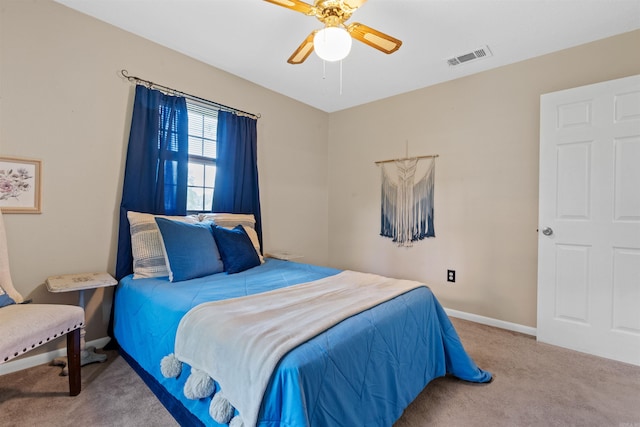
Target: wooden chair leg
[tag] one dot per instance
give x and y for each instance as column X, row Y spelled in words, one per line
column 73, row 359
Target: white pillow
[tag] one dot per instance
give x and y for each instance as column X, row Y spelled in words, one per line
column 146, row 244
column 253, row 235
column 230, row 220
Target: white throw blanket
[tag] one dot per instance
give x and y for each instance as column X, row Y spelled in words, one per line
column 238, row 342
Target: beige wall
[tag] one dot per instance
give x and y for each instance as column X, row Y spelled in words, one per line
column 485, row 129
column 62, row 101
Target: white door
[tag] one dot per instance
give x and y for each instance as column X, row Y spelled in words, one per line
column 589, row 219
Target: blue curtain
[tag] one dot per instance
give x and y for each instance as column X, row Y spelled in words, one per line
column 155, row 176
column 236, row 186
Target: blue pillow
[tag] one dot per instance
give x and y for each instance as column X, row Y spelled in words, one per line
column 236, row 249
column 6, row 300
column 190, row 249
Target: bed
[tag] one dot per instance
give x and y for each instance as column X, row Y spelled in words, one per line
column 365, row 370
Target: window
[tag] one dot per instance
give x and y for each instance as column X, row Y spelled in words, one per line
column 203, row 123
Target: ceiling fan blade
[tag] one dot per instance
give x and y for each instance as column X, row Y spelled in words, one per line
column 297, row 5
column 374, row 38
column 303, row 51
column 354, row 4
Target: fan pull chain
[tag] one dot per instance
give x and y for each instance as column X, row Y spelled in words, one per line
column 324, row 73
column 341, row 77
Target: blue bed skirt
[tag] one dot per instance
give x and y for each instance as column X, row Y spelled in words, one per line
column 363, row 371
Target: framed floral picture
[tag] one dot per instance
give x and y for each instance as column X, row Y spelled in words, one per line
column 19, row 185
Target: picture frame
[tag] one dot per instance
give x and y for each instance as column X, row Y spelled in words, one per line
column 20, row 185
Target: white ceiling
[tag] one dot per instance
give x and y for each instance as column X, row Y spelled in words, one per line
column 253, row 39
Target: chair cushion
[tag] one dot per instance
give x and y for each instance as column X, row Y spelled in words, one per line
column 24, row 327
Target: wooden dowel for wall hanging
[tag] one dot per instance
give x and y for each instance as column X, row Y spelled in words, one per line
column 406, row 158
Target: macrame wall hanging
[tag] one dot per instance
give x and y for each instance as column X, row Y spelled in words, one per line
column 407, row 201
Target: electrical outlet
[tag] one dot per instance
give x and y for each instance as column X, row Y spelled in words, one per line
column 451, row 276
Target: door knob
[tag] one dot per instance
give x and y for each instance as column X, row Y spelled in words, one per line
column 547, row 231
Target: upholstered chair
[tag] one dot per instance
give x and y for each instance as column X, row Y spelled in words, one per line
column 25, row 326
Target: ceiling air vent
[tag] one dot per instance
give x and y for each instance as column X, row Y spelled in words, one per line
column 479, row 53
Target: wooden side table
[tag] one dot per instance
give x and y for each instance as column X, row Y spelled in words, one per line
column 284, row 255
column 80, row 282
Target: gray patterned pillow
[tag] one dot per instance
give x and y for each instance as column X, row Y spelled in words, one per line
column 146, row 244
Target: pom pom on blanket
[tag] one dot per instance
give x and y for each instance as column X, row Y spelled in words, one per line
column 199, row 385
column 236, row 422
column 220, row 409
column 170, row 366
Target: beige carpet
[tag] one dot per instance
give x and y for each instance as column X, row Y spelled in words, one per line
column 535, row 385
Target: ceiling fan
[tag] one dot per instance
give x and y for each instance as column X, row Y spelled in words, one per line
column 333, row 42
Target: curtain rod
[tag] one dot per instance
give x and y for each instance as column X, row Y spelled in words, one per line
column 172, row 91
column 407, row 158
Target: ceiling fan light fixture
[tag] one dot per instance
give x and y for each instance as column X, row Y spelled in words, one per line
column 332, row 43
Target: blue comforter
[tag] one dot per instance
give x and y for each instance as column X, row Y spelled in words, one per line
column 362, row 372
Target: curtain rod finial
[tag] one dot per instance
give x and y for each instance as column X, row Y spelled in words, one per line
column 124, row 73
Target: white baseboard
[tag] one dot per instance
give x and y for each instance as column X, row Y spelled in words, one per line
column 491, row 322
column 40, row 359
